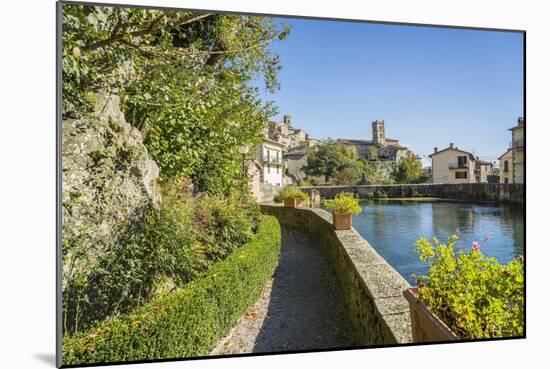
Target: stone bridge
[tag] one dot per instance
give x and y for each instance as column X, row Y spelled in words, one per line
column 484, row 192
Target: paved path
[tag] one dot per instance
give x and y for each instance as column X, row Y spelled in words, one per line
column 301, row 308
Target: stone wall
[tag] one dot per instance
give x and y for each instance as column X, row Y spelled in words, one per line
column 109, row 182
column 268, row 192
column 484, row 192
column 372, row 288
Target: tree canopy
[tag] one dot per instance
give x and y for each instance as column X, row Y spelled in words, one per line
column 183, row 78
column 334, row 160
column 408, row 170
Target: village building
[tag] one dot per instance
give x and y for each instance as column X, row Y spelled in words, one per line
column 254, row 173
column 290, row 137
column 295, row 160
column 505, row 164
column 512, row 167
column 295, row 143
column 483, row 170
column 379, row 147
column 270, row 156
column 452, row 165
column 518, row 151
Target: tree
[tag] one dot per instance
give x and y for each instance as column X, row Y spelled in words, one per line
column 334, row 160
column 325, row 159
column 408, row 170
column 183, row 78
column 349, row 176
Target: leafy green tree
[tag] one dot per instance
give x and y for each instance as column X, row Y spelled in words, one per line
column 349, row 176
column 408, row 170
column 183, row 78
column 325, row 159
column 334, row 160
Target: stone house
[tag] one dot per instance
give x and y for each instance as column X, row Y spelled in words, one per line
column 452, row 165
column 379, row 147
column 290, row 137
column 505, row 163
column 254, row 173
column 482, row 170
column 518, row 151
column 295, row 159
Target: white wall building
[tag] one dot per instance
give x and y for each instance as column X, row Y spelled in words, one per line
column 452, row 165
column 270, row 154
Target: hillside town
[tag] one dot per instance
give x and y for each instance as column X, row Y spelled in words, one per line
column 282, row 157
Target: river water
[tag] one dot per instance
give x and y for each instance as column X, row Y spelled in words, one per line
column 393, row 226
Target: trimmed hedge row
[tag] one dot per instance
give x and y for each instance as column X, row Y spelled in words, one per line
column 188, row 322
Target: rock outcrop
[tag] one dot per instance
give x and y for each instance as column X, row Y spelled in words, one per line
column 109, row 181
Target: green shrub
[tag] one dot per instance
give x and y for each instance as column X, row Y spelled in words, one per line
column 188, row 322
column 223, row 223
column 290, row 192
column 344, row 203
column 474, row 295
column 168, row 248
column 312, row 181
column 278, row 198
column 158, row 247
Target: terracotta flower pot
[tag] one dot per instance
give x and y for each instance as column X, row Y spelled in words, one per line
column 425, row 325
column 341, row 221
column 293, row 203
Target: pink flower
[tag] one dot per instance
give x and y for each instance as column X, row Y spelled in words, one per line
column 457, row 231
column 475, row 246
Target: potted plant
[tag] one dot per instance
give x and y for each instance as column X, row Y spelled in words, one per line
column 465, row 295
column 293, row 197
column 343, row 206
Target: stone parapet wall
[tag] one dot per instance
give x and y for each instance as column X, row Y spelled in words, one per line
column 484, row 192
column 268, row 192
column 372, row 288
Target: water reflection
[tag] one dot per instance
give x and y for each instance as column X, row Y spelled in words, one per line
column 393, row 226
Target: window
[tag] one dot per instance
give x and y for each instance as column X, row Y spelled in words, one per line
column 505, row 165
column 277, row 169
column 268, row 167
column 461, row 175
column 506, row 180
column 462, row 162
column 277, row 157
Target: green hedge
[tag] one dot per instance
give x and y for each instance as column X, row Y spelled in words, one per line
column 188, row 322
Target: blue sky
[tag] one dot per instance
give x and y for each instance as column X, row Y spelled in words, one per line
column 432, row 86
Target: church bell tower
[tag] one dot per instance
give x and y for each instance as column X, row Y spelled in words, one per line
column 378, row 134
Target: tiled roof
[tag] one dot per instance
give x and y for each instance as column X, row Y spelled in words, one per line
column 507, row 151
column 455, row 149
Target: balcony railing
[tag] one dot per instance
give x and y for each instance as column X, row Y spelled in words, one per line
column 275, row 160
column 458, row 165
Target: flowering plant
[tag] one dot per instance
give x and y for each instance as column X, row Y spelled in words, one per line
column 289, row 192
column 476, row 296
column 344, row 203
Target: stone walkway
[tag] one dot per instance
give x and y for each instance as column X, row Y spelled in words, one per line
column 301, row 308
